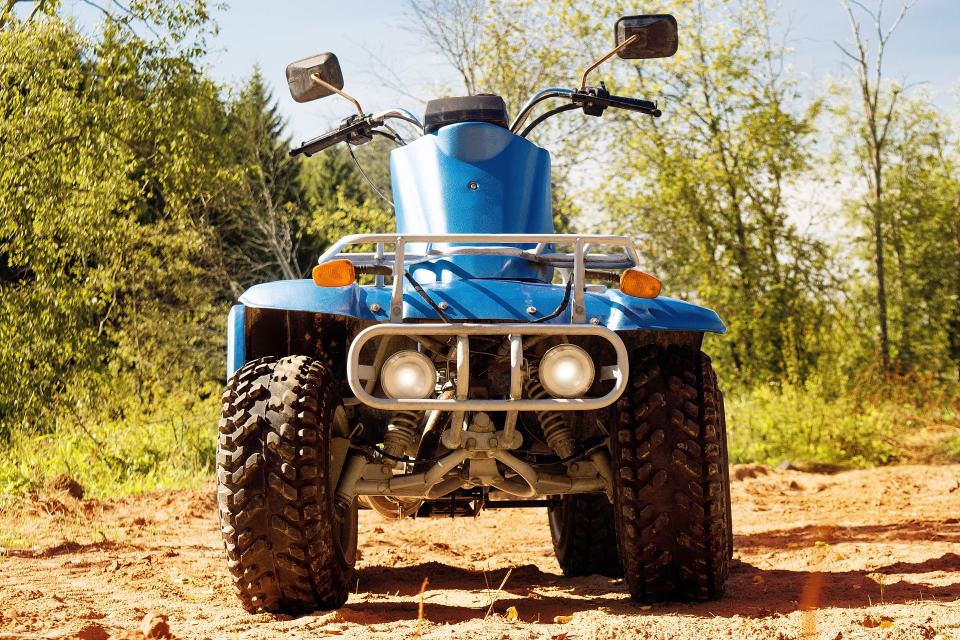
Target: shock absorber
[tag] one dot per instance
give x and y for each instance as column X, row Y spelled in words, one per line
column 401, row 431
column 555, row 428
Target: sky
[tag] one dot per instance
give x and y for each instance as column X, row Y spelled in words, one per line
column 372, row 41
column 369, row 37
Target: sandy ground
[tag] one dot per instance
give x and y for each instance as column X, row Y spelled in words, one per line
column 862, row 554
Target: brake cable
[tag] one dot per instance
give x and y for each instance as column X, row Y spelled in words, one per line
column 547, row 114
column 563, row 303
column 360, row 169
column 427, row 299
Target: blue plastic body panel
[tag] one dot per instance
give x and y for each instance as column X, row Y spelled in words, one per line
column 485, row 300
column 236, row 351
column 473, row 177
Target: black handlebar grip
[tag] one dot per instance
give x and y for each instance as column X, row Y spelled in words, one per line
column 635, row 104
column 321, row 142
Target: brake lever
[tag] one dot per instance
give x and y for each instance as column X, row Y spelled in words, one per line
column 354, row 130
column 360, row 135
column 593, row 108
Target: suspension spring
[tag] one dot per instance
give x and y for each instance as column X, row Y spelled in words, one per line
column 556, row 430
column 401, row 432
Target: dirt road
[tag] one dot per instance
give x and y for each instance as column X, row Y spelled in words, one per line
column 863, row 554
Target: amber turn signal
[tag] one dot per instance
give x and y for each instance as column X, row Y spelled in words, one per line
column 336, row 273
column 638, row 284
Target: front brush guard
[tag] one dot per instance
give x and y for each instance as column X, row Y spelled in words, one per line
column 461, row 402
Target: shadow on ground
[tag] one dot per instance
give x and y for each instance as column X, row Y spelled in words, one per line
column 751, row 591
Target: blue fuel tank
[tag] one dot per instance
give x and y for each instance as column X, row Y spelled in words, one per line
column 473, row 177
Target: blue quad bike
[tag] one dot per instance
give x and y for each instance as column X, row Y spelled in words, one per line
column 473, row 360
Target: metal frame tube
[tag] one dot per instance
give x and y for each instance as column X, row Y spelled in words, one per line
column 433, row 484
column 516, row 385
column 396, row 299
column 350, row 478
column 521, row 489
column 454, row 433
column 414, row 485
column 524, row 470
column 443, row 487
column 578, row 312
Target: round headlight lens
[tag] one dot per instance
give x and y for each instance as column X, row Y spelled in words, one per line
column 566, row 371
column 409, row 375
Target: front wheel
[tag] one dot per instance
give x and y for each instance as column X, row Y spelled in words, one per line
column 290, row 547
column 671, row 486
column 584, row 540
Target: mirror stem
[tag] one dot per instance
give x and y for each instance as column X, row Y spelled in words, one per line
column 606, row 56
column 329, row 87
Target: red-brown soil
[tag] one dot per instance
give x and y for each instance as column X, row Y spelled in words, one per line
column 861, row 554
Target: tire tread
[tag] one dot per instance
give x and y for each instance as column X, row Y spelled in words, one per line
column 273, row 494
column 671, row 484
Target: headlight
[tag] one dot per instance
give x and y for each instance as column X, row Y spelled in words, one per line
column 566, row 371
column 409, row 375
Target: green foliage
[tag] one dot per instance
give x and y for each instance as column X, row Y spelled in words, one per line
column 110, row 166
column 139, row 198
column 703, row 188
column 261, row 228
column 953, row 448
column 920, row 228
column 823, row 425
column 137, row 204
column 807, row 426
column 171, row 445
column 343, row 216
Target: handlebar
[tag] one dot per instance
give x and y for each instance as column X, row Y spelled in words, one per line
column 350, row 128
column 355, row 129
column 595, row 99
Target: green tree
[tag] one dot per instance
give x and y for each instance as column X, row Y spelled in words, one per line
column 340, row 201
column 922, row 232
column 514, row 48
column 870, row 128
column 111, row 162
column 262, row 231
column 706, row 187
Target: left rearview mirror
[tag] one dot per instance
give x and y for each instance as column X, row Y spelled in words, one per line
column 302, row 88
column 657, row 36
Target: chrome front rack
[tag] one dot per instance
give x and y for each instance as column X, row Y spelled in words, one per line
column 492, row 244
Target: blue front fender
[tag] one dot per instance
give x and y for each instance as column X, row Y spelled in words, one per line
column 504, row 300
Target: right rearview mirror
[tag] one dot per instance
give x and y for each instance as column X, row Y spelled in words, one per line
column 302, row 88
column 657, row 36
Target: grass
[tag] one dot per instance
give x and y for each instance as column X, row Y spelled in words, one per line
column 897, row 421
column 170, row 445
